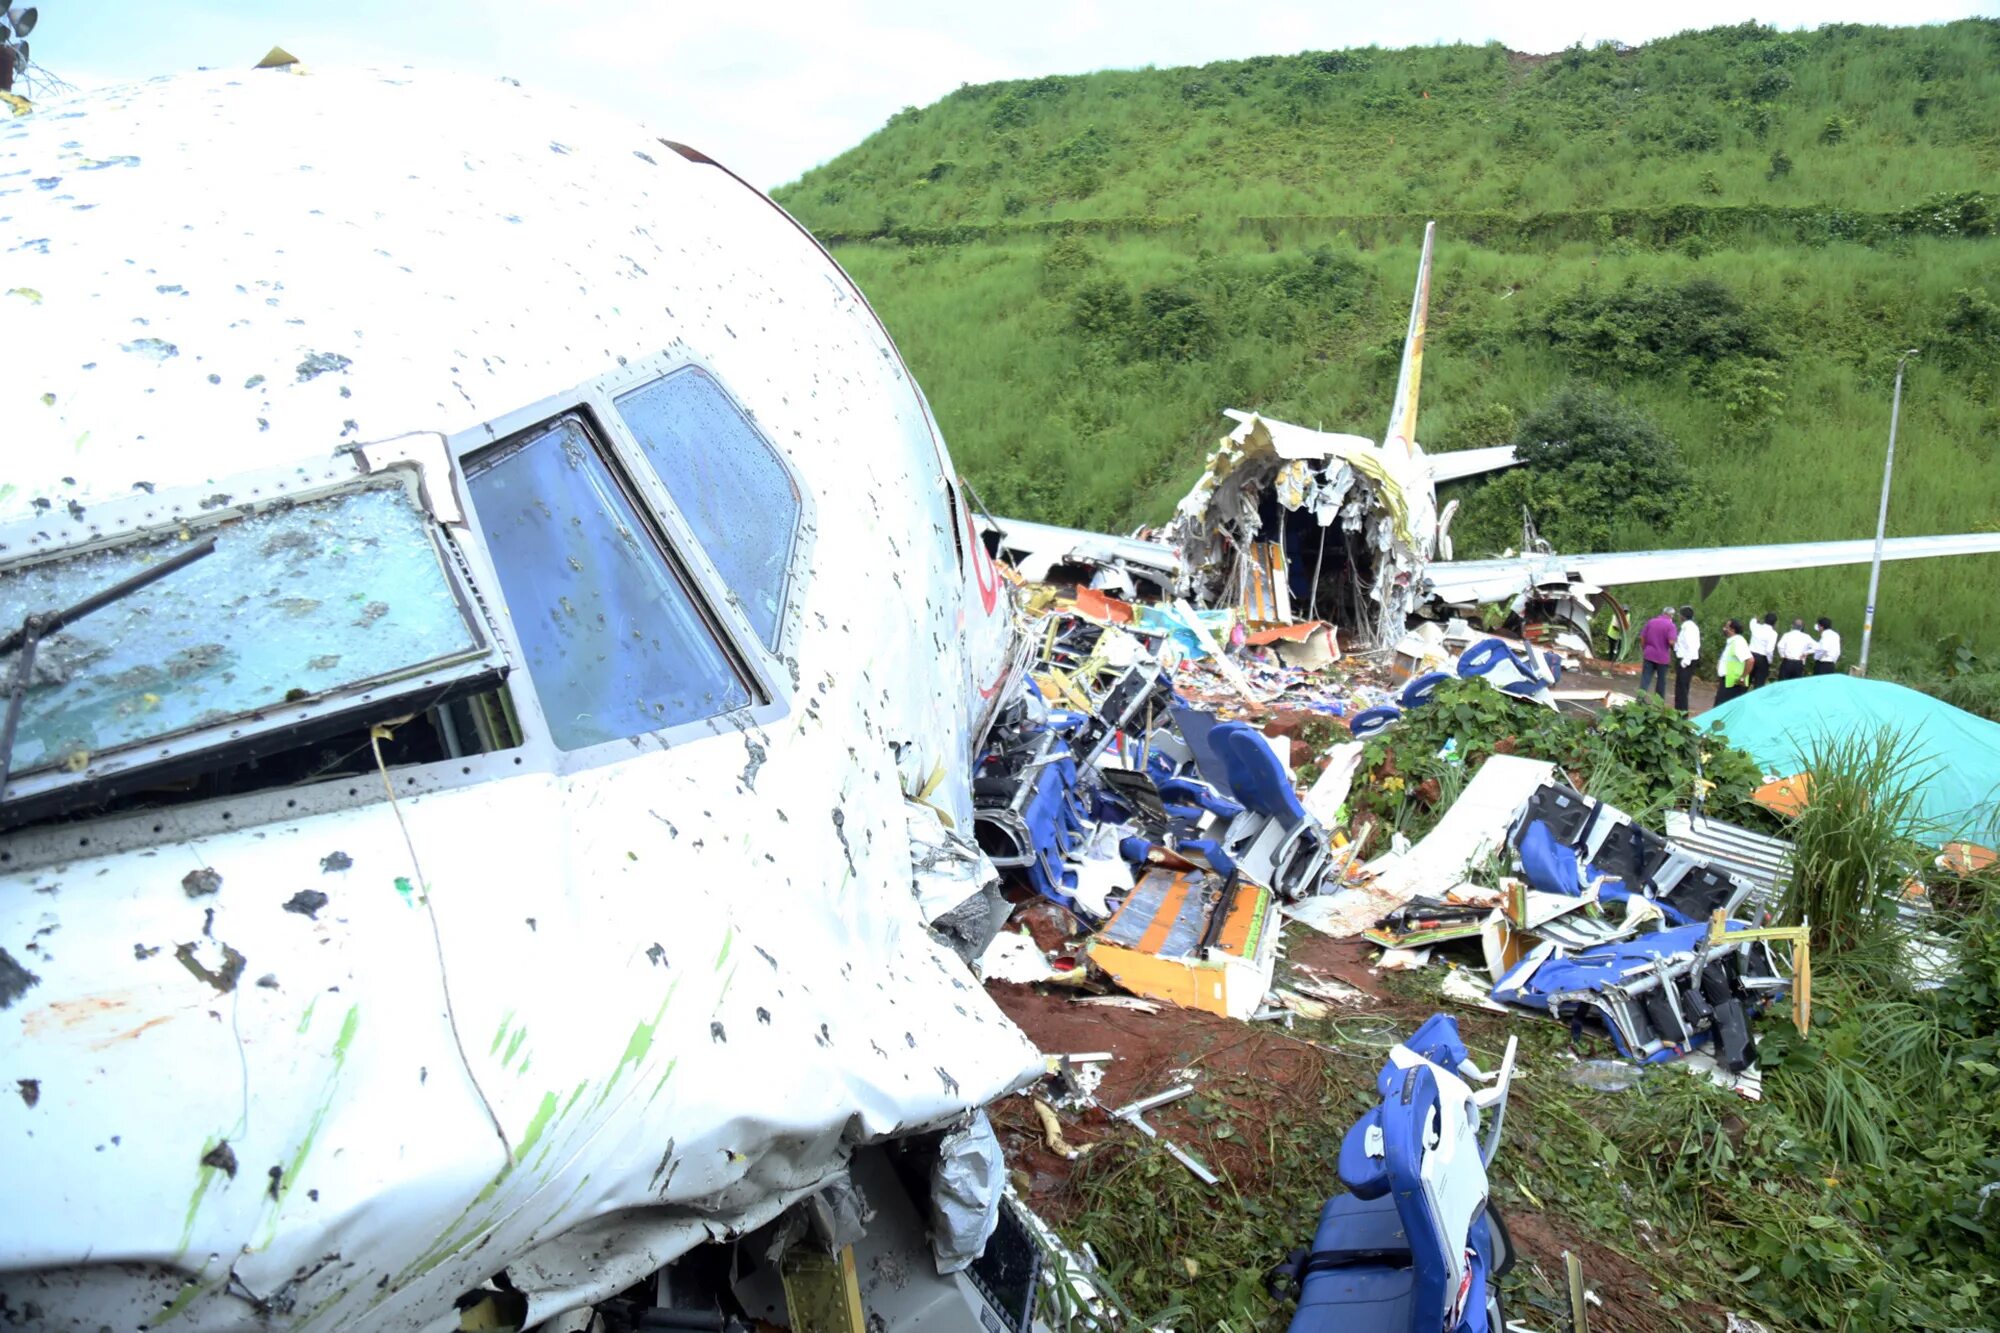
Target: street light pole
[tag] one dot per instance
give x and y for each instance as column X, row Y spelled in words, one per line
column 1882, row 515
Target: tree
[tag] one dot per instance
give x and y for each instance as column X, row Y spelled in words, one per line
column 1588, row 461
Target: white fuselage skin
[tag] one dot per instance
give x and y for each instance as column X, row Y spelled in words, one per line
column 563, row 1013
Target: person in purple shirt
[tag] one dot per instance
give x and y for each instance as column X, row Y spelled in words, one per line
column 1656, row 646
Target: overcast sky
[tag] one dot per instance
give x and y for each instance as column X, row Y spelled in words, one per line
column 772, row 89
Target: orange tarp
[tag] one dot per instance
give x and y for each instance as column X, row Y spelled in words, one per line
column 1785, row 796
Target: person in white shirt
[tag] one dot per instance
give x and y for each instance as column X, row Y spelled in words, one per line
column 1794, row 650
column 1687, row 651
column 1763, row 646
column 1732, row 664
column 1827, row 656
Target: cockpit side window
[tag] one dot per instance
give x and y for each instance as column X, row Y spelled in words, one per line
column 615, row 641
column 728, row 483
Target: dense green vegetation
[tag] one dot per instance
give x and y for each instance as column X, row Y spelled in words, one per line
column 1733, row 233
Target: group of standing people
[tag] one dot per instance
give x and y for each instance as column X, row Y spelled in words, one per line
column 1673, row 638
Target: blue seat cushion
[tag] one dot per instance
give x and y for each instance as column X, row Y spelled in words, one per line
column 1358, row 1273
column 1189, row 793
column 1256, row 778
column 1358, row 1298
column 1484, row 656
column 1420, row 689
column 1351, row 1227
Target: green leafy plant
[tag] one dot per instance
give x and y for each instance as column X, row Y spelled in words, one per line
column 1856, row 841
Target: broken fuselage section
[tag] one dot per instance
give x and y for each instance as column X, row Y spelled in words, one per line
column 497, row 861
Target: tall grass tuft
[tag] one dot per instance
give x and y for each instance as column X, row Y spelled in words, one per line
column 1857, row 839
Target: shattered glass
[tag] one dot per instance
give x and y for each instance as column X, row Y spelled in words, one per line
column 727, row 483
column 296, row 602
column 614, row 641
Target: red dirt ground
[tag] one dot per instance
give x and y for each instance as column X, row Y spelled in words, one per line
column 1268, row 1075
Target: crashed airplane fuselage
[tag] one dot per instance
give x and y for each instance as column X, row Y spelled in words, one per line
column 1289, row 523
column 498, row 854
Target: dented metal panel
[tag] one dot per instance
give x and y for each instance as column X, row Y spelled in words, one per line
column 310, row 1058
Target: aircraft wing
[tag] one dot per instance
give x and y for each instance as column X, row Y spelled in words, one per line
column 1470, row 462
column 1035, row 547
column 1496, row 580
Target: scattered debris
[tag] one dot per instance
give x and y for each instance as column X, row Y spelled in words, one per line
column 1134, row 1114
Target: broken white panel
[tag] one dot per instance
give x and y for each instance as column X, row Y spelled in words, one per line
column 1464, row 987
column 1014, row 956
column 945, row 869
column 1474, row 827
column 1329, row 791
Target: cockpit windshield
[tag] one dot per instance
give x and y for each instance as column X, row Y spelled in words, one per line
column 298, row 602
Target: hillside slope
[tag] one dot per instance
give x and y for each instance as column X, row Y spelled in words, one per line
column 1734, row 231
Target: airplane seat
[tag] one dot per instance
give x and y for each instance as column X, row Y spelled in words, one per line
column 1195, row 797
column 1548, row 866
column 1362, row 1168
column 1363, row 1270
column 1420, row 689
column 1276, row 842
column 1197, row 728
column 1370, row 721
column 1483, row 657
column 1063, row 721
column 1415, row 1236
column 1436, row 1040
column 1256, row 777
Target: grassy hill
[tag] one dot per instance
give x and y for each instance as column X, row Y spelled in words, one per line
column 1733, row 231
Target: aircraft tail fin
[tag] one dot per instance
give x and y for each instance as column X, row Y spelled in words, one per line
column 1403, row 415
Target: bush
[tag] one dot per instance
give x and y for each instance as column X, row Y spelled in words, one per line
column 1644, row 758
column 1101, row 310
column 1969, row 333
column 1746, row 386
column 1586, row 460
column 1173, row 325
column 1066, row 259
column 1323, row 276
column 1649, row 329
column 1489, row 423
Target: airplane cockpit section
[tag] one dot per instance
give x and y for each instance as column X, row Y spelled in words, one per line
column 496, row 649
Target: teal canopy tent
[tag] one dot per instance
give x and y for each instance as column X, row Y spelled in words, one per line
column 1958, row 753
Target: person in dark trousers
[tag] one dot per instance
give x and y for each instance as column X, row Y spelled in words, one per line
column 1826, row 661
column 1687, row 652
column 1656, row 644
column 1732, row 665
column 1763, row 646
column 1795, row 650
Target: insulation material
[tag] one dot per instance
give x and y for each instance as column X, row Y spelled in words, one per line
column 966, row 1185
column 1184, row 938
